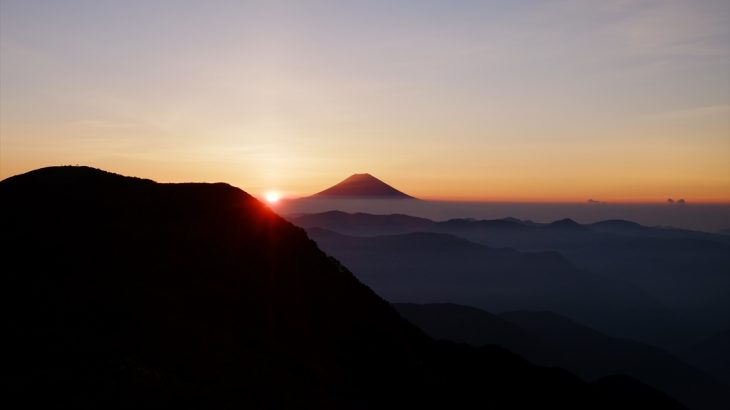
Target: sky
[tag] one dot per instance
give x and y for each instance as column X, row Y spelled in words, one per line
column 562, row 101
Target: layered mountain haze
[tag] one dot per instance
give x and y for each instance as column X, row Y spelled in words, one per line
column 431, row 267
column 709, row 218
column 128, row 293
column 673, row 283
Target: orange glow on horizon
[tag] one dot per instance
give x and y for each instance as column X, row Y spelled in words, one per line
column 573, row 200
column 435, row 188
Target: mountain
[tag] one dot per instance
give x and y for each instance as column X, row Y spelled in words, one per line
column 126, row 293
column 549, row 339
column 362, row 186
column 566, row 224
column 183, row 293
column 433, row 267
column 683, row 272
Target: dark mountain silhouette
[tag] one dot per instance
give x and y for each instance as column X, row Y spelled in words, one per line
column 362, row 186
column 125, row 293
column 549, row 339
column 684, row 272
column 617, row 225
column 429, row 267
column 567, row 225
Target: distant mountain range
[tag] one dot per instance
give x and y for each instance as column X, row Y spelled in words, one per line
column 678, row 278
column 361, row 186
column 126, row 293
column 433, row 267
column 549, row 339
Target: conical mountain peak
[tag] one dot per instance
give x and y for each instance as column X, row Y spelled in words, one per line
column 362, row 186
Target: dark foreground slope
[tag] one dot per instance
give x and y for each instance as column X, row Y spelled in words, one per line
column 128, row 293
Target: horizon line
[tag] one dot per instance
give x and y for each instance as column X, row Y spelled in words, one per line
column 537, row 201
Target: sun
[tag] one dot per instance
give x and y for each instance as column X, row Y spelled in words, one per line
column 272, row 197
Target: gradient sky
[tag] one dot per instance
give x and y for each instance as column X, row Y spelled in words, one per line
column 493, row 100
